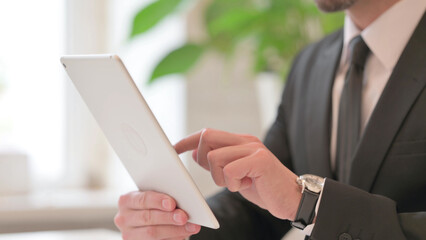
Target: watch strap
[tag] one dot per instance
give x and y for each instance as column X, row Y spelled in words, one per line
column 306, row 211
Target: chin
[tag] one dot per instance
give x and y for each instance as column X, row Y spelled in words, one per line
column 334, row 5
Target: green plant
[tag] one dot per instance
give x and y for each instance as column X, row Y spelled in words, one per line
column 278, row 28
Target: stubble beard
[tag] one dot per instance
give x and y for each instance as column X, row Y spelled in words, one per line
column 334, row 5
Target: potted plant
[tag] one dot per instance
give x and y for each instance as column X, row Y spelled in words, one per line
column 278, row 29
column 275, row 29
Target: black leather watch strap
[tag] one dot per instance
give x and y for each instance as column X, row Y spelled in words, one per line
column 306, row 212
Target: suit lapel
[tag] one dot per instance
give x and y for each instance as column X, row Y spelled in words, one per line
column 407, row 81
column 318, row 109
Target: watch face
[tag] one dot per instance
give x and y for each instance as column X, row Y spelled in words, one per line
column 312, row 182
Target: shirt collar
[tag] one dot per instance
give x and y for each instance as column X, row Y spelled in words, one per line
column 388, row 35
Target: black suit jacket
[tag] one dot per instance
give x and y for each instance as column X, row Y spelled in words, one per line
column 385, row 196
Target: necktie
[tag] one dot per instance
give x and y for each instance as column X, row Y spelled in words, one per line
column 349, row 119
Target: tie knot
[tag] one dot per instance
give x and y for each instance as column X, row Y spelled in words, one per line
column 358, row 51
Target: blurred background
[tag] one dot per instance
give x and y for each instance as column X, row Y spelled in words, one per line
column 199, row 63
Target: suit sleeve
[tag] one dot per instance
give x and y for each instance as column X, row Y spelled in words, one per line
column 347, row 212
column 241, row 220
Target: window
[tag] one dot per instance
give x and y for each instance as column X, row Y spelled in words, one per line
column 42, row 115
column 31, row 85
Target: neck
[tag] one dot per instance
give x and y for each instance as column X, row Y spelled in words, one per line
column 364, row 12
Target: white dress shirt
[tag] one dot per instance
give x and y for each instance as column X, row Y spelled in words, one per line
column 386, row 37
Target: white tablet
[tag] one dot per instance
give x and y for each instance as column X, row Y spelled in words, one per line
column 133, row 132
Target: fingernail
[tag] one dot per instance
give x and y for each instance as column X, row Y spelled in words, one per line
column 167, row 204
column 178, row 218
column 191, row 227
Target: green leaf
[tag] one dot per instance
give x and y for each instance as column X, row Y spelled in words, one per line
column 217, row 8
column 152, row 14
column 233, row 21
column 178, row 61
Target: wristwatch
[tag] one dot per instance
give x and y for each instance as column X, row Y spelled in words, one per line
column 311, row 189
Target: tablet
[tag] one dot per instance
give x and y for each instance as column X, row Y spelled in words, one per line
column 134, row 133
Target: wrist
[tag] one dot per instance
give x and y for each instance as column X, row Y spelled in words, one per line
column 297, row 197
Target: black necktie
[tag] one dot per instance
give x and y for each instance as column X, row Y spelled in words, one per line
column 349, row 121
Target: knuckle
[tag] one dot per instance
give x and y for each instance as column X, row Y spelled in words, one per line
column 122, row 201
column 119, row 220
column 151, row 232
column 219, row 181
column 227, row 172
column 211, row 157
column 232, row 188
column 145, row 217
column 141, row 199
column 205, row 133
column 255, row 139
column 252, row 139
column 262, row 153
column 125, row 235
column 256, row 145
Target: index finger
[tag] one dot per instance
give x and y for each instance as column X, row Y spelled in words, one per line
column 188, row 143
column 212, row 137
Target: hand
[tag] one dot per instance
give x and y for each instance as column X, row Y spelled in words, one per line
column 152, row 215
column 242, row 163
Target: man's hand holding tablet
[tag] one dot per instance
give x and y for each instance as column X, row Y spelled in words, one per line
column 152, row 215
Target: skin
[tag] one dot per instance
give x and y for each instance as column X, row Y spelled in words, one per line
column 151, row 215
column 362, row 12
column 239, row 162
column 243, row 164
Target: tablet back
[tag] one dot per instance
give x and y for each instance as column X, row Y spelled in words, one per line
column 133, row 132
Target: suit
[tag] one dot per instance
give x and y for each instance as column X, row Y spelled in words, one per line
column 385, row 194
